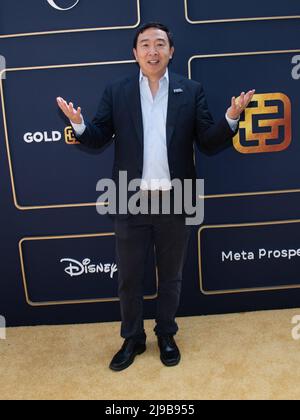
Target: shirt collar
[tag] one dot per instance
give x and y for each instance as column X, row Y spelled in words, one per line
column 165, row 77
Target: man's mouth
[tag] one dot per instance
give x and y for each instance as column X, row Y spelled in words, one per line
column 153, row 62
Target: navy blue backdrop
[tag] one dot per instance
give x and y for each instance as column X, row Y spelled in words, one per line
column 57, row 253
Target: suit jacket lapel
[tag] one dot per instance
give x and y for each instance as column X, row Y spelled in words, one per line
column 132, row 89
column 176, row 100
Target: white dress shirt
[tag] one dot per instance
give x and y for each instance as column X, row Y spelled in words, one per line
column 156, row 172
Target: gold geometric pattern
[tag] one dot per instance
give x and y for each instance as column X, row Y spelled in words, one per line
column 261, row 142
column 69, row 136
column 239, row 55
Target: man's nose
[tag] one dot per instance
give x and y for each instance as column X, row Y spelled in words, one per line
column 153, row 51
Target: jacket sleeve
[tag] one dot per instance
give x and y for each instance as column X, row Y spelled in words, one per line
column 210, row 136
column 100, row 131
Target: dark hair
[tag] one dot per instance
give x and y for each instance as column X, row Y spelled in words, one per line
column 151, row 25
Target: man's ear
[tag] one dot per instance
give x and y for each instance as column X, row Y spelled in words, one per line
column 135, row 54
column 172, row 52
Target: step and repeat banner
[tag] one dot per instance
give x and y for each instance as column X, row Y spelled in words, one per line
column 58, row 261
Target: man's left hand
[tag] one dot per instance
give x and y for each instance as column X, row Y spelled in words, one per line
column 238, row 105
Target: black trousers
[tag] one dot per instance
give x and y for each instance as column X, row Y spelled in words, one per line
column 134, row 237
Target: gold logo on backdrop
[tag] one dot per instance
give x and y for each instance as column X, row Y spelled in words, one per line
column 69, row 136
column 267, row 126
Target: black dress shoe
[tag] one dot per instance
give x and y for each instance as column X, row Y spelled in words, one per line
column 169, row 352
column 125, row 357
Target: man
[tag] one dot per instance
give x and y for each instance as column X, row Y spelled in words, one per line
column 156, row 118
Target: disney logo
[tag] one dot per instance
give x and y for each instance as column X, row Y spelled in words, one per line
column 76, row 268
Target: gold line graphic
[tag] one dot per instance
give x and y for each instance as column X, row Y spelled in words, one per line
column 246, row 290
column 198, row 22
column 67, row 302
column 11, row 171
column 242, row 54
column 65, row 31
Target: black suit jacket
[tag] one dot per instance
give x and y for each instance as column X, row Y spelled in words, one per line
column 189, row 122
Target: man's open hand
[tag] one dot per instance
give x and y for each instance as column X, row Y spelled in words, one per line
column 238, row 105
column 69, row 111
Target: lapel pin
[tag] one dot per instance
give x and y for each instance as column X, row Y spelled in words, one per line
column 178, row 91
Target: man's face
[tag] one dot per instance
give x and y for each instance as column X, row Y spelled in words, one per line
column 153, row 52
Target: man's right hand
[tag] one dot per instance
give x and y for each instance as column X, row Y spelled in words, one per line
column 69, row 111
